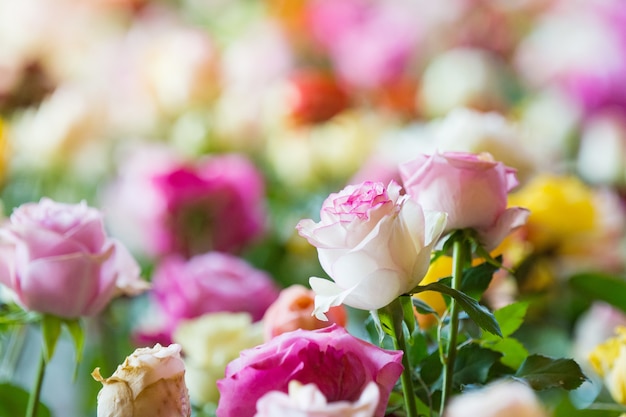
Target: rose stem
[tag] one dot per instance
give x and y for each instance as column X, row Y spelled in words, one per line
column 400, row 344
column 33, row 399
column 458, row 261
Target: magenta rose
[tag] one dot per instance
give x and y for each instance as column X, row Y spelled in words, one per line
column 208, row 283
column 471, row 188
column 163, row 204
column 339, row 364
column 58, row 260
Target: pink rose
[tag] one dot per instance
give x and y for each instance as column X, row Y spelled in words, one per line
column 212, row 282
column 373, row 243
column 293, row 310
column 57, row 259
column 167, row 205
column 339, row 364
column 471, row 188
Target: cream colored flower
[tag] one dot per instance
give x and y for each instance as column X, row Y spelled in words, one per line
column 499, row 399
column 209, row 343
column 308, row 401
column 150, row 383
column 609, row 361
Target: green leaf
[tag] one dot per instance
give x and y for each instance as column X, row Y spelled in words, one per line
column 510, row 318
column 542, row 372
column 12, row 314
column 476, row 279
column 513, row 352
column 478, row 313
column 422, row 307
column 51, row 330
column 78, row 337
column 14, row 400
column 600, row 286
column 473, row 363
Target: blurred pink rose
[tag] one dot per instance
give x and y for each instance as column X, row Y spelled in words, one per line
column 339, row 364
column 57, row 259
column 308, row 401
column 208, row 283
column 293, row 310
column 373, row 243
column 168, row 205
column 471, row 188
column 369, row 43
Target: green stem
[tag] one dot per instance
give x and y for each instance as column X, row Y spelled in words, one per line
column 459, row 255
column 33, row 399
column 397, row 315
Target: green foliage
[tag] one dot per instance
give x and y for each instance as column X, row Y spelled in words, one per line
column 13, row 402
column 542, row 373
column 600, row 286
column 477, row 312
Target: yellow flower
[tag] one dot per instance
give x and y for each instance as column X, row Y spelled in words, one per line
column 440, row 268
column 609, row 361
column 562, row 209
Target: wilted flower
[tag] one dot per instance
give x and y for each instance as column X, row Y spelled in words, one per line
column 340, row 365
column 57, row 259
column 150, row 382
column 209, row 343
column 373, row 243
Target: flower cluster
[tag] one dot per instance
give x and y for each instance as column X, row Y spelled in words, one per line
column 312, row 208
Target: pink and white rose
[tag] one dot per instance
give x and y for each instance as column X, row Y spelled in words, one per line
column 57, row 259
column 340, row 365
column 471, row 188
column 374, row 244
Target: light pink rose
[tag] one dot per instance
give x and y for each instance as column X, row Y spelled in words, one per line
column 293, row 310
column 308, row 401
column 340, row 365
column 208, row 283
column 57, row 259
column 373, row 243
column 471, row 188
column 164, row 204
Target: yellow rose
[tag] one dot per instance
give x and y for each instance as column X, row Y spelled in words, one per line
column 150, row 383
column 209, row 343
column 609, row 361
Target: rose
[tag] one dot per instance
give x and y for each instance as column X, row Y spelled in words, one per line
column 498, row 399
column 186, row 208
column 373, row 243
column 208, row 283
column 209, row 343
column 608, row 359
column 308, row 401
column 57, row 259
column 292, row 310
column 471, row 188
column 339, row 364
column 150, row 382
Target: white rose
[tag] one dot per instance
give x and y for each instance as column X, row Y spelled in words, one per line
column 374, row 244
column 309, row 401
column 150, row 383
